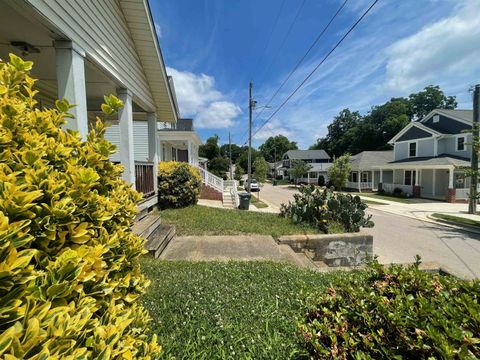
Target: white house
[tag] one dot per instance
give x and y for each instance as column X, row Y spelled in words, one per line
column 85, row 49
column 318, row 160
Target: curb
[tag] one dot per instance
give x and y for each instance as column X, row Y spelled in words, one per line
column 455, row 225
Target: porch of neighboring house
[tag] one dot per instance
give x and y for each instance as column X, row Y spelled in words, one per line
column 368, row 180
column 179, row 142
column 68, row 70
column 439, row 183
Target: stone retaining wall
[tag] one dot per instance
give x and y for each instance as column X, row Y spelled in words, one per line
column 349, row 249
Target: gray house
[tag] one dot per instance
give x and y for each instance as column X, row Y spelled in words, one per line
column 365, row 174
column 319, row 161
column 427, row 154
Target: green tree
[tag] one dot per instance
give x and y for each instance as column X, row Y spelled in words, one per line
column 299, row 169
column 430, row 98
column 218, row 166
column 243, row 158
column 261, row 169
column 236, row 151
column 210, row 149
column 339, row 171
column 238, row 172
column 278, row 143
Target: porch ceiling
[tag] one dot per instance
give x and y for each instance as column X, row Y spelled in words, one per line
column 179, row 136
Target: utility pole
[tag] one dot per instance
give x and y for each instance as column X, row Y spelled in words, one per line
column 472, row 204
column 251, row 105
column 230, row 154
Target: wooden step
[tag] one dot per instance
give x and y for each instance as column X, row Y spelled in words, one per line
column 147, row 225
column 159, row 239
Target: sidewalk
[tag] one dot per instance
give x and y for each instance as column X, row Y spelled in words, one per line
column 424, row 210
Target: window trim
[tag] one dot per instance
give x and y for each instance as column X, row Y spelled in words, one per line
column 416, row 149
column 412, row 177
column 464, row 137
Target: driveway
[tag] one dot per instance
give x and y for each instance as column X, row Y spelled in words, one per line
column 398, row 237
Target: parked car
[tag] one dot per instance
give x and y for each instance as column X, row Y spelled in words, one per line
column 255, row 186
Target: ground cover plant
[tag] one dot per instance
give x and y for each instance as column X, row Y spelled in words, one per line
column 203, row 220
column 394, row 313
column 178, row 184
column 69, row 272
column 456, row 219
column 234, row 310
column 325, row 210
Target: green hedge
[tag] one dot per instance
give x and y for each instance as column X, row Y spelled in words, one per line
column 178, row 184
column 395, row 313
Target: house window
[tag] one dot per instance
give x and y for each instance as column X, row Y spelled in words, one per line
column 412, row 149
column 364, row 177
column 409, row 178
column 461, row 143
column 353, row 177
column 436, row 118
column 459, row 181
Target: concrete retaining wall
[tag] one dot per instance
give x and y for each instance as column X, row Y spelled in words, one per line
column 349, row 249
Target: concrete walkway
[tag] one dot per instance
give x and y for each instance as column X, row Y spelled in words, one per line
column 226, row 248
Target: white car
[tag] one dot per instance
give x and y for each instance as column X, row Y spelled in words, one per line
column 255, row 186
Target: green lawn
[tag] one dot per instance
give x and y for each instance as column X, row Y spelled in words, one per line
column 456, row 219
column 386, row 197
column 372, row 202
column 241, row 310
column 258, row 203
column 203, row 220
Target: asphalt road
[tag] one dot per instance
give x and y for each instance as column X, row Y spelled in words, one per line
column 397, row 238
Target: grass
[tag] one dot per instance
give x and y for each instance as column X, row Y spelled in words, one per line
column 386, row 197
column 241, row 310
column 456, row 219
column 372, row 202
column 258, row 203
column 203, row 220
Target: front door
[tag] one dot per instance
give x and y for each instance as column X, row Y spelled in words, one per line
column 409, row 178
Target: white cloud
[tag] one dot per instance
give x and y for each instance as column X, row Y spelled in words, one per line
column 447, row 50
column 219, row 114
column 198, row 98
column 272, row 128
column 158, row 30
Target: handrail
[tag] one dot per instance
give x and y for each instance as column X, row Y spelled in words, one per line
column 210, row 179
column 234, row 193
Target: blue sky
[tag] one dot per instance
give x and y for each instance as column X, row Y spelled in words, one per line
column 213, row 48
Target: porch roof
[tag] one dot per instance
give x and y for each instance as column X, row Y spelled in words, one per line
column 367, row 160
column 181, row 136
column 441, row 161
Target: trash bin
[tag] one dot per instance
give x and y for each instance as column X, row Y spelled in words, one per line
column 244, row 200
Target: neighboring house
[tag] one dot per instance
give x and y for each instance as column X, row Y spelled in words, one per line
column 274, row 169
column 427, row 154
column 319, row 161
column 365, row 174
column 85, row 49
column 179, row 142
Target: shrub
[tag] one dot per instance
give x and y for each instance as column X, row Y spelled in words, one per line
column 178, row 184
column 395, row 313
column 321, row 208
column 70, row 272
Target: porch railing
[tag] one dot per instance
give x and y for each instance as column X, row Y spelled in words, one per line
column 211, row 180
column 363, row 185
column 233, row 191
column 144, row 181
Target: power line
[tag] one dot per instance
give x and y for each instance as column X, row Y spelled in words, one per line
column 316, row 67
column 284, row 39
column 304, row 56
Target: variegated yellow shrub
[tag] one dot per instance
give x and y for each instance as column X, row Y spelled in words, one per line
column 178, row 184
column 69, row 262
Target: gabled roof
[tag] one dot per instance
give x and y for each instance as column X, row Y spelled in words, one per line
column 409, row 126
column 367, row 160
column 440, row 160
column 464, row 115
column 307, row 154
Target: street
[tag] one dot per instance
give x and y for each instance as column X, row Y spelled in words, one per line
column 397, row 238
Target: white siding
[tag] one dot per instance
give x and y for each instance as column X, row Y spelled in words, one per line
column 140, row 140
column 100, row 28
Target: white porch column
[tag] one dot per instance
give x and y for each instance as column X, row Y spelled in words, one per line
column 308, row 177
column 381, row 176
column 359, row 175
column 190, row 152
column 417, row 177
column 450, row 178
column 153, row 146
column 125, row 119
column 373, row 179
column 70, row 68
column 434, row 181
